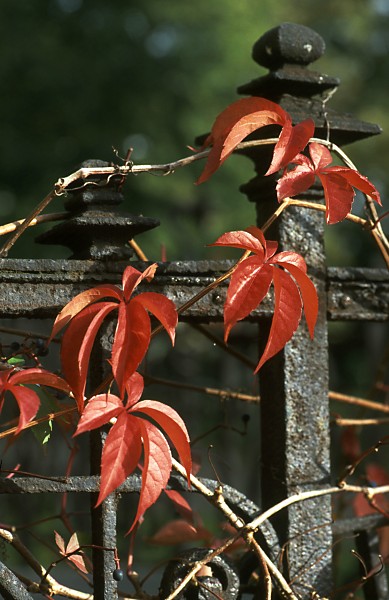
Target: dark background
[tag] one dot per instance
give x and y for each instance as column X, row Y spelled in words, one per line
column 80, row 76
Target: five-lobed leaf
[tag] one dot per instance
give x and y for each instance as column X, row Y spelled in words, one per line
column 14, row 382
column 85, row 314
column 251, row 280
column 132, row 430
column 242, row 118
column 70, row 552
column 338, row 182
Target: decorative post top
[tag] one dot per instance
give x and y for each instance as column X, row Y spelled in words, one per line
column 288, row 44
column 94, row 228
column 287, row 51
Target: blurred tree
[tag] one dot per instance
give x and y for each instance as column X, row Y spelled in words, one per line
column 81, row 76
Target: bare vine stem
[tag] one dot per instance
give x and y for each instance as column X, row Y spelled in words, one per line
column 51, row 585
column 249, row 528
column 122, row 171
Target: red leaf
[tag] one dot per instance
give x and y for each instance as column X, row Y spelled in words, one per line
column 236, row 111
column 27, row 399
column 77, row 344
column 338, row 182
column 181, row 505
column 79, row 562
column 235, row 123
column 134, row 388
column 244, row 240
column 339, row 197
column 99, row 411
column 121, row 453
column 251, row 281
column 295, row 182
column 162, row 308
column 178, row 532
column 39, row 376
column 132, row 278
column 376, row 476
column 131, row 341
column 132, row 336
column 287, row 315
column 156, row 469
column 249, row 285
column 172, row 424
column 60, row 542
column 307, row 289
column 73, row 546
column 28, row 402
column 291, row 141
column 81, row 301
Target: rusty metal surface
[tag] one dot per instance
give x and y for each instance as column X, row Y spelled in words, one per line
column 295, row 433
column 40, row 288
column 358, row 294
column 11, row 587
column 294, row 384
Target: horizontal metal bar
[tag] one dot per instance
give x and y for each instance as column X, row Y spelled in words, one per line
column 40, row 288
column 242, row 506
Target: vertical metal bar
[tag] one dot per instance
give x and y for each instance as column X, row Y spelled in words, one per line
column 295, row 423
column 11, row 587
column 376, row 586
column 104, row 516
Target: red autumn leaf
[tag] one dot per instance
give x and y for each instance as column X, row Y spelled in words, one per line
column 156, row 468
column 28, row 400
column 123, row 445
column 131, row 341
column 85, row 314
column 72, row 547
column 251, row 280
column 181, row 505
column 77, row 344
column 99, row 411
column 287, row 315
column 171, row 423
column 338, row 182
column 242, row 118
column 180, row 532
column 376, row 476
column 291, row 141
column 121, row 453
column 350, row 444
column 81, row 301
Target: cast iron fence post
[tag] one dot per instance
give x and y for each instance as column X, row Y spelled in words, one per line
column 95, row 230
column 295, row 433
column 295, row 428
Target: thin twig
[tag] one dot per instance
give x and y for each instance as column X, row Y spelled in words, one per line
column 221, row 343
column 358, row 402
column 26, row 222
column 341, row 422
column 52, row 584
column 311, row 494
column 27, row 334
column 138, row 250
column 203, row 389
column 127, row 168
column 10, row 227
column 49, row 417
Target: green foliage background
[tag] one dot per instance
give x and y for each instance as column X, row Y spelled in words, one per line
column 81, row 76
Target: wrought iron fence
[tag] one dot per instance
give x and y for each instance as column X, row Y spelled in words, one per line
column 294, row 408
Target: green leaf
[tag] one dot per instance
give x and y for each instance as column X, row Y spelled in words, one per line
column 16, row 360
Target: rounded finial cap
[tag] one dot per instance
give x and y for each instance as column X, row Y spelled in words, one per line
column 288, row 43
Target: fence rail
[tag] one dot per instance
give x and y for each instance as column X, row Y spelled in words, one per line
column 294, row 431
